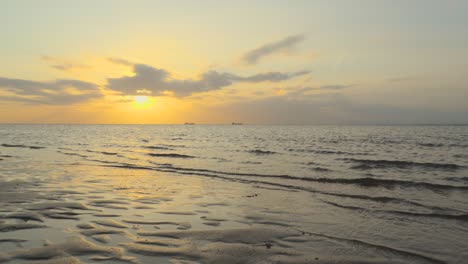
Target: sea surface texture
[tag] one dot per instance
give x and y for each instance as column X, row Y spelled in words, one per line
column 233, row 194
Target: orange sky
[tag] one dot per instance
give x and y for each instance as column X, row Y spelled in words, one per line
column 304, row 63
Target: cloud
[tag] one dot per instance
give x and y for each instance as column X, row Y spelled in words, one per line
column 159, row 81
column 63, row 91
column 120, row 61
column 301, row 91
column 255, row 55
column 62, row 65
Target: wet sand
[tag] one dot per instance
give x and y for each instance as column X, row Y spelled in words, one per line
column 218, row 194
column 133, row 216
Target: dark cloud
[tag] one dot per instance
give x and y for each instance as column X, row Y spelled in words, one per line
column 159, row 80
column 255, row 55
column 62, row 91
column 120, row 61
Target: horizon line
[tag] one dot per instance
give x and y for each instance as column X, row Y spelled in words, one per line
column 253, row 124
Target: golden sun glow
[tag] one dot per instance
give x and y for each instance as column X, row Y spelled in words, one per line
column 142, row 101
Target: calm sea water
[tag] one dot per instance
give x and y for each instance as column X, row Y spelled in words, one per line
column 399, row 188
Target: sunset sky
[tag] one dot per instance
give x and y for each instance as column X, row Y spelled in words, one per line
column 262, row 62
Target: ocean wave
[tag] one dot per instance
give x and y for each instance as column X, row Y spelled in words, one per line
column 72, row 154
column 172, row 145
column 170, row 155
column 320, row 169
column 363, row 182
column 261, row 152
column 327, row 152
column 372, row 164
column 104, row 152
column 250, row 162
column 458, row 145
column 385, row 199
column 156, row 147
column 460, row 217
column 430, row 145
column 388, row 183
column 458, row 179
column 388, row 250
column 20, row 146
column 168, row 168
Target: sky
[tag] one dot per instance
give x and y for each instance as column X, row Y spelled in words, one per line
column 217, row 62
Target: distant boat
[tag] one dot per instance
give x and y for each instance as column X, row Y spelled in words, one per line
column 236, row 124
column 188, row 123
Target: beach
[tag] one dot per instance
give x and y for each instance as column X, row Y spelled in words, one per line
column 233, row 194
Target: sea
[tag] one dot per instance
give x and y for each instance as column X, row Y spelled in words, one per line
column 234, row 193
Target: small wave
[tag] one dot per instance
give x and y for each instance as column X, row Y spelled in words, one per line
column 125, row 166
column 362, row 182
column 173, row 145
column 460, row 217
column 372, row 164
column 387, row 183
column 65, row 148
column 385, row 199
column 459, row 145
column 21, row 146
column 321, row 169
column 458, row 179
column 431, row 145
column 327, row 152
column 156, row 147
column 72, row 154
column 103, row 152
column 108, row 153
column 261, row 152
column 383, row 248
column 170, row 155
column 250, row 162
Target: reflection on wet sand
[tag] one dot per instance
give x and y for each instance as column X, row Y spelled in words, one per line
column 180, row 219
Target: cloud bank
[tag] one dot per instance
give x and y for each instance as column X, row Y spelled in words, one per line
column 159, row 81
column 57, row 92
column 255, row 55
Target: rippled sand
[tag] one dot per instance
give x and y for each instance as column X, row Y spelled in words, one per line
column 143, row 219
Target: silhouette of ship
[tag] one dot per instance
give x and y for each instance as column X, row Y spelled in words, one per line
column 236, row 124
column 188, row 123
